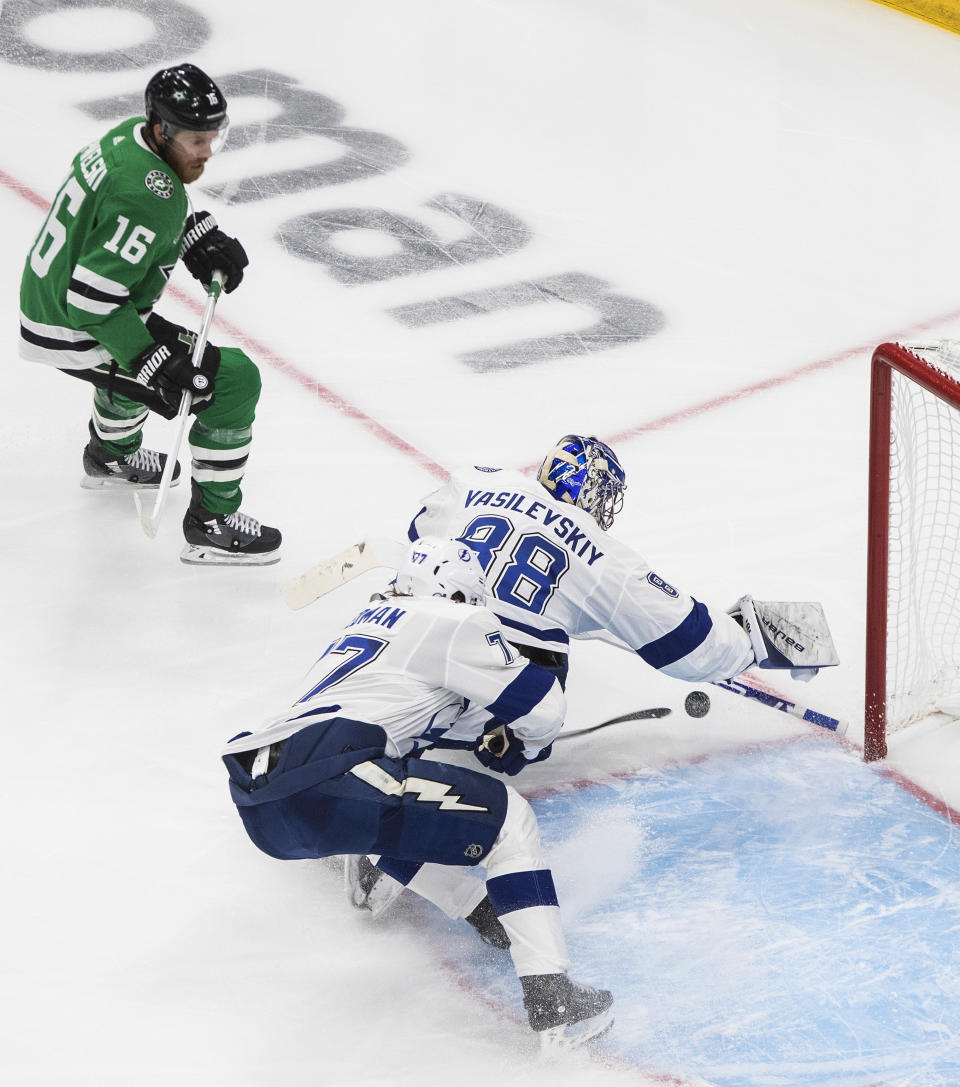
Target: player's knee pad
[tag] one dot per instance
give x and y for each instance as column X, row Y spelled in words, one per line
column 238, row 390
column 517, row 848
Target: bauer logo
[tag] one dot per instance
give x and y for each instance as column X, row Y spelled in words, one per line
column 658, row 583
column 776, row 632
column 160, row 184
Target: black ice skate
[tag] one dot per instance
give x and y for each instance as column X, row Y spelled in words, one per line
column 564, row 1013
column 488, row 925
column 104, row 470
column 232, row 539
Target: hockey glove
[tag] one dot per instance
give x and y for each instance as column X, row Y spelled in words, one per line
column 166, row 370
column 206, row 249
column 500, row 749
column 792, row 635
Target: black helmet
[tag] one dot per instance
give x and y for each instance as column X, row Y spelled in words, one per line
column 185, row 97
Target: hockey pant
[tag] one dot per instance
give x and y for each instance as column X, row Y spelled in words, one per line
column 527, row 907
column 220, row 435
column 409, row 809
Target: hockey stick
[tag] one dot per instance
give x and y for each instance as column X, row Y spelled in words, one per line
column 151, row 522
column 330, row 574
column 777, row 702
column 637, row 715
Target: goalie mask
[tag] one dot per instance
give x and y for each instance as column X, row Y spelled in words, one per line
column 585, row 472
column 437, row 567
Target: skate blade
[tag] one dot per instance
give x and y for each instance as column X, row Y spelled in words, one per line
column 197, row 555
column 351, row 881
column 381, row 896
column 562, row 1039
column 113, row 483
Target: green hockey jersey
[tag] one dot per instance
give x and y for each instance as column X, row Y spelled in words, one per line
column 103, row 255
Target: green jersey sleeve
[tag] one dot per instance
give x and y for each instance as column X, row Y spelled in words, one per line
column 109, row 244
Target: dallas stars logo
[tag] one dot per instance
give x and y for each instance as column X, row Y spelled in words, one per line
column 179, row 96
column 160, row 184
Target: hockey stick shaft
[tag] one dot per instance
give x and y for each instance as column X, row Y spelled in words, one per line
column 151, row 522
column 637, row 715
column 778, row 702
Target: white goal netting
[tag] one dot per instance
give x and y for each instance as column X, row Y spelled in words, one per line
column 923, row 600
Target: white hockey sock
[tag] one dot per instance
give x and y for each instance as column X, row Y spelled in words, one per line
column 521, row 890
column 456, row 891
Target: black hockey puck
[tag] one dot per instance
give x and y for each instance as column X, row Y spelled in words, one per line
column 697, row 704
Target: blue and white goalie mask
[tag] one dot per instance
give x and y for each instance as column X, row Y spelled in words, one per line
column 438, row 567
column 585, row 472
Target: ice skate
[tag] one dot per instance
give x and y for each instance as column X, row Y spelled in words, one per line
column 232, row 539
column 488, row 926
column 367, row 887
column 564, row 1013
column 104, row 470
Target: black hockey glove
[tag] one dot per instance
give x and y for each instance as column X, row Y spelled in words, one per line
column 166, row 370
column 500, row 749
column 206, row 249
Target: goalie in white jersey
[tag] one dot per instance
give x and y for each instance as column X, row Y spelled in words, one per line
column 338, row 772
column 553, row 573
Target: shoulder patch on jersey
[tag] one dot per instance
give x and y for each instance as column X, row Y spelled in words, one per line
column 658, row 583
column 481, row 468
column 160, row 184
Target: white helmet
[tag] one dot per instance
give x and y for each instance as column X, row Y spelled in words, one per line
column 438, row 567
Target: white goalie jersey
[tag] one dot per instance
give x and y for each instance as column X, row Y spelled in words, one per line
column 414, row 665
column 552, row 573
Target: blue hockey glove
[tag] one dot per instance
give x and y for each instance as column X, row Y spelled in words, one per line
column 500, row 749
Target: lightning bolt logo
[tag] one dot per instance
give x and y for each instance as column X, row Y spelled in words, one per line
column 430, row 792
column 437, row 792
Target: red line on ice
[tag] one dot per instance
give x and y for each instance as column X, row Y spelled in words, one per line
column 306, row 382
column 339, row 403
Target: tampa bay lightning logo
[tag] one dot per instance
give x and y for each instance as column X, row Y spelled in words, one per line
column 658, row 583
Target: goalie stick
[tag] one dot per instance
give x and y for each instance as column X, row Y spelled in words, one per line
column 778, row 702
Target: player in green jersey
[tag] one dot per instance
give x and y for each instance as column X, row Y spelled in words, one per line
column 98, row 266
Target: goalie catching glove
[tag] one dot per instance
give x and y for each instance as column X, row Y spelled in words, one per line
column 791, row 634
column 166, row 370
column 502, row 750
column 206, row 249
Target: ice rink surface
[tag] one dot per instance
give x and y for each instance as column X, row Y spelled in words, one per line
column 682, row 225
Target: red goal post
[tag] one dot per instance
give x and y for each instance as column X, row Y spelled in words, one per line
column 913, row 548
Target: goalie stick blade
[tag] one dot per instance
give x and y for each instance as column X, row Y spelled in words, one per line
column 778, row 702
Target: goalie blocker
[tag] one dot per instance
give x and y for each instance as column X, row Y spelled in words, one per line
column 787, row 634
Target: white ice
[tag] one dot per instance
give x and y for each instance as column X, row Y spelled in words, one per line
column 778, row 179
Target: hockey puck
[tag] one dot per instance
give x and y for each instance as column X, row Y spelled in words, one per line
column 697, row 704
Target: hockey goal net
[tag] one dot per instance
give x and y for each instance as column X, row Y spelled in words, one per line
column 913, row 556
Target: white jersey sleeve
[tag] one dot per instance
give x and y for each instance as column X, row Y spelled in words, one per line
column 413, row 666
column 553, row 573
